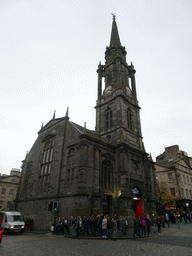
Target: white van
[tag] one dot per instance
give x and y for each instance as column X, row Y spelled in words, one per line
column 11, row 222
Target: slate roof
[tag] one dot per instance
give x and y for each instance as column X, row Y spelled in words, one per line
column 168, row 163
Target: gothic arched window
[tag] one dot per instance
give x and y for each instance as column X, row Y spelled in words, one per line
column 129, row 119
column 109, row 118
column 107, row 175
column 46, row 164
column 70, row 165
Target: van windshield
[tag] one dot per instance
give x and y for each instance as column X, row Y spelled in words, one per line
column 15, row 218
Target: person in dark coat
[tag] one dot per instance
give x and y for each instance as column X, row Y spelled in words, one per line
column 87, row 225
column 109, row 227
column 148, row 225
column 158, row 221
column 136, row 229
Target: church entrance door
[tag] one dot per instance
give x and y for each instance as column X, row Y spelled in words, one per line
column 106, row 204
column 137, row 206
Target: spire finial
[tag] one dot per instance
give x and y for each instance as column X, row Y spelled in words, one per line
column 84, row 130
column 54, row 114
column 42, row 125
column 113, row 14
column 67, row 114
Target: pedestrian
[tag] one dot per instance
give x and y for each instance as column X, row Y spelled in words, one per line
column 114, row 229
column 87, row 226
column 109, row 227
column 162, row 220
column 99, row 224
column 27, row 223
column 83, row 225
column 62, row 225
column 136, row 228
column 178, row 219
column 125, row 225
column 31, row 225
column 154, row 223
column 57, row 226
column 77, row 226
column 104, row 226
column 143, row 226
column 148, row 225
column 54, row 226
column 167, row 219
column 74, row 226
column 93, row 225
column 71, row 225
column 159, row 225
column 66, row 225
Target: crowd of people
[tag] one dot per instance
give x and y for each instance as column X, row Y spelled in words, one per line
column 28, row 223
column 101, row 225
column 105, row 226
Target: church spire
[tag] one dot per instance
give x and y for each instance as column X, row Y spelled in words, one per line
column 115, row 40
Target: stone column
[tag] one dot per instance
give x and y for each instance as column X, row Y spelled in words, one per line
column 133, row 84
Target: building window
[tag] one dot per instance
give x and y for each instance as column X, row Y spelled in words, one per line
column 188, row 180
column 10, row 205
column 184, row 179
column 129, row 119
column 182, row 192
column 1, row 204
column 172, row 191
column 109, row 118
column 186, row 192
column 3, row 191
column 107, row 175
column 13, row 181
column 70, row 172
column 162, row 178
column 170, row 177
column 11, row 192
column 46, row 164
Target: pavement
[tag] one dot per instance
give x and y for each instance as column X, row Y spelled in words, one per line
column 173, row 241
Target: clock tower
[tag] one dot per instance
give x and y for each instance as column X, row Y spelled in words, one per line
column 117, row 109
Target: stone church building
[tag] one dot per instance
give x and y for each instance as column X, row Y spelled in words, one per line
column 89, row 172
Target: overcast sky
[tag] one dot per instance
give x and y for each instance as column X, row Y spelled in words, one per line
column 49, row 53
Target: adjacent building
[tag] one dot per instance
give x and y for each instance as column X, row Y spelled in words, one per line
column 8, row 189
column 174, row 172
column 89, row 172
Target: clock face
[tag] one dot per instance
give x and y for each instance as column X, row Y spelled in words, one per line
column 128, row 90
column 108, row 90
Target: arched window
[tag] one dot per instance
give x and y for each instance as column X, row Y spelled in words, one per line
column 109, row 118
column 46, row 164
column 107, row 175
column 129, row 119
column 70, row 165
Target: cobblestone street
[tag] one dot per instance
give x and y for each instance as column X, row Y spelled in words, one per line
column 173, row 241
